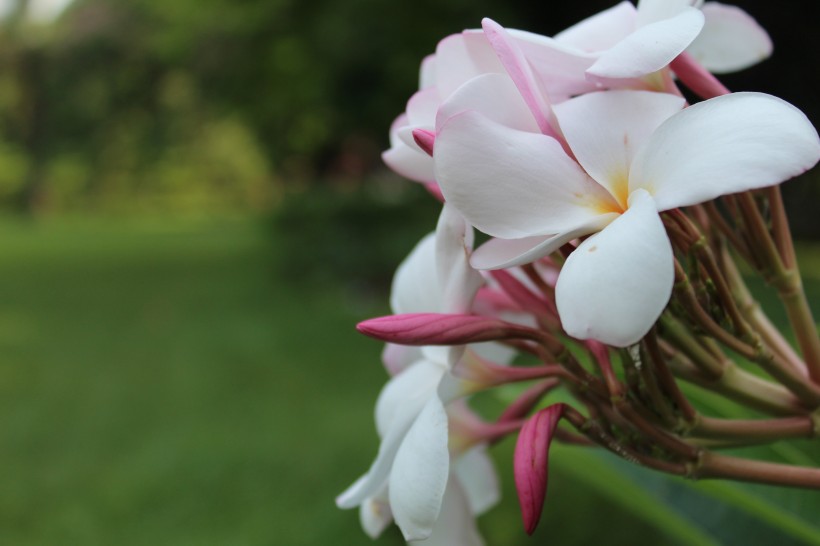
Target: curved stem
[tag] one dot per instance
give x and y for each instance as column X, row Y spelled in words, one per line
column 715, row 465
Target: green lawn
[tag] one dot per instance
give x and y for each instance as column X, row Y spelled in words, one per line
column 161, row 384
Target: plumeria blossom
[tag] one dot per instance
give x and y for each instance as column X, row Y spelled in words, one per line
column 629, row 42
column 636, row 153
column 412, row 469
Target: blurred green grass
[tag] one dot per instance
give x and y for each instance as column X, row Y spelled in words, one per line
column 162, row 384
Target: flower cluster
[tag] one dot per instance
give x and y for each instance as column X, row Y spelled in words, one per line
column 577, row 155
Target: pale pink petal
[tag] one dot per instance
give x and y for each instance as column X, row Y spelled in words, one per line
column 422, row 106
column 724, row 145
column 731, row 39
column 504, row 253
column 650, row 48
column 408, row 161
column 415, row 287
column 476, row 473
column 510, row 183
column 615, row 285
column 461, row 57
column 560, row 68
column 531, row 461
column 522, row 75
column 606, row 129
column 375, row 514
column 420, row 472
column 495, row 96
column 427, row 72
column 456, row 525
column 601, row 31
column 651, row 11
column 396, row 358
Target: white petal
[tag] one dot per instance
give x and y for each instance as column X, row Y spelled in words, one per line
column 495, row 96
column 601, row 31
column 456, row 525
column 605, row 130
column 615, row 285
column 420, row 472
column 415, row 287
column 649, row 48
column 459, row 282
column 650, row 11
column 461, row 57
column 476, row 473
column 725, row 145
column 375, row 514
column 731, row 40
column 399, row 405
column 407, row 391
column 504, row 253
column 510, row 183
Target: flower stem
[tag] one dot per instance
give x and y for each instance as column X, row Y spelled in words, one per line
column 715, row 465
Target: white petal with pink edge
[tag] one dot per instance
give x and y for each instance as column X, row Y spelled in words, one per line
column 510, row 183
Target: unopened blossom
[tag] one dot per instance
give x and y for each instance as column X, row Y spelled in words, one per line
column 634, row 154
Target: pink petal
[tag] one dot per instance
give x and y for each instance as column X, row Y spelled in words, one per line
column 521, row 73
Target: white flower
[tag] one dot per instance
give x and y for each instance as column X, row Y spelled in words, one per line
column 636, row 153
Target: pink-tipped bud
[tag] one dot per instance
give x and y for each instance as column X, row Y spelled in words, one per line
column 699, row 80
column 527, row 401
column 522, row 295
column 441, row 329
column 435, row 191
column 482, row 373
column 531, row 461
column 425, row 139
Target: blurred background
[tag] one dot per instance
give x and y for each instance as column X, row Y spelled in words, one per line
column 193, row 217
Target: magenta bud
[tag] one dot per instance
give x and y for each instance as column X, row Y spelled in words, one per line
column 440, row 329
column 425, row 139
column 522, row 295
column 531, row 461
column 435, row 191
column 699, row 80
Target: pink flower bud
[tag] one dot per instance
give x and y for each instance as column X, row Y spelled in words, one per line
column 695, row 77
column 425, row 139
column 441, row 329
column 523, row 295
column 531, row 461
